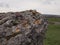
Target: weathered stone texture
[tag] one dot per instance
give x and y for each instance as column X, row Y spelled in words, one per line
column 22, row 28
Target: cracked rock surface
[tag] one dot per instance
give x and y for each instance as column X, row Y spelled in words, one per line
column 22, row 28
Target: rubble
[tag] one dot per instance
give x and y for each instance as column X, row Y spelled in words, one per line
column 23, row 28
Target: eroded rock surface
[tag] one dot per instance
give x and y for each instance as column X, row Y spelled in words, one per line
column 22, row 28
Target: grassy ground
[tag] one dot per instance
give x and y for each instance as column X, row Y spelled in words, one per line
column 54, row 19
column 53, row 34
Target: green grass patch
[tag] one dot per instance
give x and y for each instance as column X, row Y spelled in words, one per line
column 54, row 19
column 53, row 35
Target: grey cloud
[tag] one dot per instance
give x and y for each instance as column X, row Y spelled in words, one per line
column 4, row 5
column 49, row 2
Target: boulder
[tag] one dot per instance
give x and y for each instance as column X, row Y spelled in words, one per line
column 23, row 28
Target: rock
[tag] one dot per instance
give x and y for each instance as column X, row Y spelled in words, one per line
column 23, row 28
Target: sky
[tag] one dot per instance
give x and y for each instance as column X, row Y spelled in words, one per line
column 42, row 6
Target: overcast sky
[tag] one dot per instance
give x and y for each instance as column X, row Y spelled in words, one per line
column 43, row 6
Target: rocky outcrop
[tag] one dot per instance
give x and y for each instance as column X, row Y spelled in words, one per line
column 22, row 28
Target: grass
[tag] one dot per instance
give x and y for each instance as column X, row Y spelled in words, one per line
column 53, row 34
column 54, row 19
